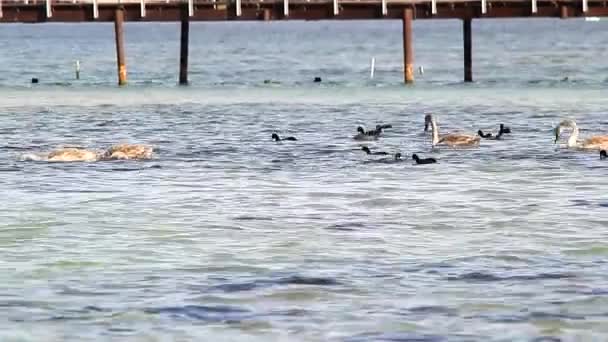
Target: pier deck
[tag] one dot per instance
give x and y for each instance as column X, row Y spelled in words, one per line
column 31, row 11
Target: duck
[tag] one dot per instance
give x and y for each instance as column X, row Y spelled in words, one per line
column 390, row 159
column 276, row 137
column 603, row 155
column 379, row 129
column 423, row 161
column 365, row 136
column 72, row 154
column 597, row 142
column 491, row 136
column 484, row 135
column 452, row 140
column 375, row 132
column 128, row 151
column 504, row 129
column 367, row 150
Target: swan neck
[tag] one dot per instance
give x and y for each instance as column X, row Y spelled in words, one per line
column 435, row 131
column 573, row 139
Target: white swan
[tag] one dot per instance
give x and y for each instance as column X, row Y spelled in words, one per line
column 592, row 143
column 452, row 140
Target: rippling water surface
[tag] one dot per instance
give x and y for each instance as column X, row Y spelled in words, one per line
column 226, row 235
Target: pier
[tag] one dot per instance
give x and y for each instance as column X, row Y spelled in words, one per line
column 118, row 11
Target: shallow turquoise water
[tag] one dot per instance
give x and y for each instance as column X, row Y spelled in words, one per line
column 226, row 235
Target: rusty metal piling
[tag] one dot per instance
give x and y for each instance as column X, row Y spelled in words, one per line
column 408, row 49
column 563, row 12
column 119, row 17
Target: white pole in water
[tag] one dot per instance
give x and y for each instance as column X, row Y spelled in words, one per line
column 421, row 70
column 372, row 67
column 1, row 14
column 238, row 8
column 585, row 6
column 95, row 10
column 534, row 6
column 190, row 8
column 433, row 7
column 336, row 7
column 77, row 66
column 142, row 8
column 49, row 12
column 286, row 8
column 484, row 7
column 384, row 8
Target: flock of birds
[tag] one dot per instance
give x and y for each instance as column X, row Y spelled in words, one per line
column 141, row 152
column 598, row 142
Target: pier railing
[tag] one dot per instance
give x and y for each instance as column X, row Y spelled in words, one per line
column 320, row 9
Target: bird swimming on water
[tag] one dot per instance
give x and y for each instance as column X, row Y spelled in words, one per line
column 603, row 154
column 276, row 137
column 368, row 151
column 451, row 140
column 423, row 161
column 484, row 135
column 504, row 129
column 72, row 154
column 380, row 128
column 372, row 134
column 501, row 131
column 362, row 135
column 592, row 143
column 76, row 154
column 128, row 151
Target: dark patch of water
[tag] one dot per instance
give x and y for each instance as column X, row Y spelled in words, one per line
column 395, row 337
column 488, row 277
column 205, row 313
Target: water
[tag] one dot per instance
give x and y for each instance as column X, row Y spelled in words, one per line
column 226, row 235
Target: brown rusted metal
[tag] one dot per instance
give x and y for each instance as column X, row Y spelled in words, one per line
column 468, row 54
column 408, row 49
column 120, row 47
column 184, row 41
column 563, row 12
